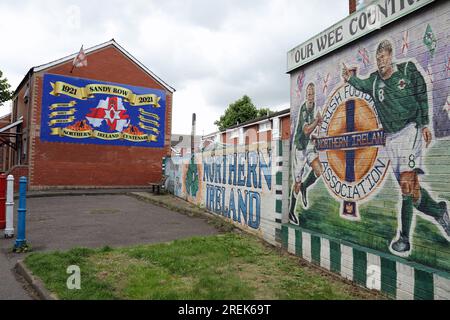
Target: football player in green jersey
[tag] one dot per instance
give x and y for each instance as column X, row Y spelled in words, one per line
column 305, row 152
column 401, row 101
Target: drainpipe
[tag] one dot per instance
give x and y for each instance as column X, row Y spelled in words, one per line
column 193, row 133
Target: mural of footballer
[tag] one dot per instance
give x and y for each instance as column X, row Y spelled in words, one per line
column 305, row 152
column 400, row 95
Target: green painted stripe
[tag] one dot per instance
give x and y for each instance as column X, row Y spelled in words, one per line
column 415, row 265
column 388, row 277
column 315, row 249
column 359, row 266
column 280, row 148
column 279, row 178
column 298, row 243
column 278, row 206
column 284, row 236
column 335, row 256
column 423, row 289
column 423, row 285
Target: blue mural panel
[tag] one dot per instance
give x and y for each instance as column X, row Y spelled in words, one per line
column 86, row 111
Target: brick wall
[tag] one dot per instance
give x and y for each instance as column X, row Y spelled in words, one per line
column 285, row 126
column 64, row 165
column 17, row 172
column 4, row 121
column 252, row 134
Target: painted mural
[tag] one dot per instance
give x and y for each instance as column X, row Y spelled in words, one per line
column 234, row 182
column 192, row 181
column 371, row 141
column 174, row 175
column 79, row 110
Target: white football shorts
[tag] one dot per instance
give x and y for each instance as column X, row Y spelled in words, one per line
column 404, row 149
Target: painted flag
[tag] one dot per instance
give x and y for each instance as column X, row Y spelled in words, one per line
column 80, row 60
column 300, row 81
column 447, row 66
column 325, row 84
column 363, row 56
column 405, row 43
column 112, row 112
column 446, row 107
column 429, row 39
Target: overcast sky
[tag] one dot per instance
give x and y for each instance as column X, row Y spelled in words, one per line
column 211, row 52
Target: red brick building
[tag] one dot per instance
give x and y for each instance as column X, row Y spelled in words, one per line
column 50, row 165
column 253, row 131
column 5, row 121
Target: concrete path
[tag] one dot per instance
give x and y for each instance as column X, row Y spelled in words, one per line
column 11, row 286
column 64, row 222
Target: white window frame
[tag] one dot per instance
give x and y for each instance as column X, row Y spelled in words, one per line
column 234, row 134
column 265, row 126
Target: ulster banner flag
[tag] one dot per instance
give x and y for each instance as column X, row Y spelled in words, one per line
column 80, row 59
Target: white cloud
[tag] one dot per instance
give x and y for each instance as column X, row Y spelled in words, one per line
column 193, row 98
column 212, row 52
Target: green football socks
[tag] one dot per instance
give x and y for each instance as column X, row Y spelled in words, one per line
column 427, row 205
column 310, row 179
column 407, row 214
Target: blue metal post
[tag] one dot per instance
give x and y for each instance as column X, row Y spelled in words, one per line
column 21, row 211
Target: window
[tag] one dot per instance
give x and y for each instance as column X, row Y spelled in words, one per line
column 234, row 134
column 265, row 126
column 26, row 94
column 241, row 136
column 18, row 140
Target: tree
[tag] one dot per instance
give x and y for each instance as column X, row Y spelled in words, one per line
column 263, row 112
column 240, row 111
column 5, row 94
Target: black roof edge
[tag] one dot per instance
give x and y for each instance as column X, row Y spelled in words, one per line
column 23, row 81
column 98, row 45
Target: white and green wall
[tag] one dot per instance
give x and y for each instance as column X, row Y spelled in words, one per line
column 244, row 184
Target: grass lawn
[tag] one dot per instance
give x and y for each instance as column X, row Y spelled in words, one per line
column 227, row 266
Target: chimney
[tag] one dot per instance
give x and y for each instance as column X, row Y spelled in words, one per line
column 351, row 6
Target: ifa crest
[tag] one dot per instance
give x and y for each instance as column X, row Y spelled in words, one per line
column 350, row 145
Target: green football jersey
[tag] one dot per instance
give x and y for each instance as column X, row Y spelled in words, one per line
column 305, row 117
column 399, row 100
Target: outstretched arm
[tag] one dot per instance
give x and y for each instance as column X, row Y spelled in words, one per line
column 364, row 85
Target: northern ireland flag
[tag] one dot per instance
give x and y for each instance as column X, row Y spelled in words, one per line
column 80, row 59
column 446, row 107
column 112, row 112
column 405, row 43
